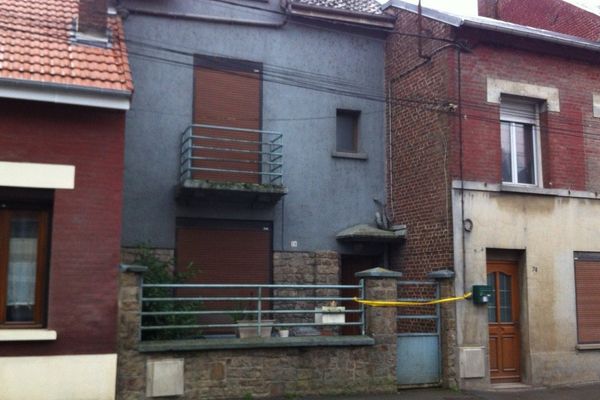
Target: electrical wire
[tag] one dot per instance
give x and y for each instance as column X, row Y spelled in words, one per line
column 321, row 82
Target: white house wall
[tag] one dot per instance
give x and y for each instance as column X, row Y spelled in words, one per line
column 548, row 229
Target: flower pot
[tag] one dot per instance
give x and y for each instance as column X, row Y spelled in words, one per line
column 266, row 328
column 330, row 315
column 284, row 333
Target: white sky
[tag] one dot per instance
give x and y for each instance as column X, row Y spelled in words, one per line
column 469, row 7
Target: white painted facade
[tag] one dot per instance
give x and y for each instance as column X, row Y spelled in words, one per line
column 548, row 227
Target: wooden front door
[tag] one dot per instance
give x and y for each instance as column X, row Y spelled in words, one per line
column 503, row 317
column 351, row 264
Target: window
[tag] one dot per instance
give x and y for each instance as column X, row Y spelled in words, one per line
column 519, row 141
column 587, row 290
column 23, row 265
column 228, row 144
column 346, row 139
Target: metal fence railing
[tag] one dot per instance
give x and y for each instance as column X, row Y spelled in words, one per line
column 231, row 154
column 196, row 311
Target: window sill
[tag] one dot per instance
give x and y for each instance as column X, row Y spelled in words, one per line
column 519, row 189
column 352, row 156
column 254, row 343
column 587, row 347
column 31, row 335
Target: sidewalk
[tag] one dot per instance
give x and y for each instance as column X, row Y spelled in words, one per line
column 584, row 392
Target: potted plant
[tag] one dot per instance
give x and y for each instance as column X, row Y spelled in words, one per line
column 331, row 314
column 283, row 332
column 244, row 331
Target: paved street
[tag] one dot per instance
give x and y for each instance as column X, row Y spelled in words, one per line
column 585, row 392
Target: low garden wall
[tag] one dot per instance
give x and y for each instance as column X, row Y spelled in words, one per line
column 258, row 367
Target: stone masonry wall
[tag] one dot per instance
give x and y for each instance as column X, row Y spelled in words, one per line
column 448, row 336
column 305, row 268
column 244, row 373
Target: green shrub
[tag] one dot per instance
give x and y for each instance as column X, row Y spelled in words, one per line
column 163, row 272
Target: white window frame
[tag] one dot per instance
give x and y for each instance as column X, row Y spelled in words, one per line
column 536, row 145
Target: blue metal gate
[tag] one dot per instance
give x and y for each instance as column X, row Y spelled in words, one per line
column 418, row 344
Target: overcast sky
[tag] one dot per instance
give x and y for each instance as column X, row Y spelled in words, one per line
column 469, row 7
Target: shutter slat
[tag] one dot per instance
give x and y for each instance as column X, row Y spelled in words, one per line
column 587, row 286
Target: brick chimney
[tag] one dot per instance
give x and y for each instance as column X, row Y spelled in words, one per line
column 487, row 8
column 92, row 21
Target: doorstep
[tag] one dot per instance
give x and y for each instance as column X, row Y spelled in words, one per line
column 512, row 386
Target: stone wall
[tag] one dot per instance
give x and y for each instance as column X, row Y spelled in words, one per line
column 305, row 268
column 448, row 336
column 265, row 372
column 128, row 254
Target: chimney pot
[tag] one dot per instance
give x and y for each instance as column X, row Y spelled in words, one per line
column 92, row 19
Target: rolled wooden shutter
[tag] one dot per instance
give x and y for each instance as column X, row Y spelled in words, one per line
column 225, row 252
column 227, row 93
column 587, row 286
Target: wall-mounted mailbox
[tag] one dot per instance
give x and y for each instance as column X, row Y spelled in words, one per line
column 482, row 294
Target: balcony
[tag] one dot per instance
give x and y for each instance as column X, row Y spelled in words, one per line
column 231, row 164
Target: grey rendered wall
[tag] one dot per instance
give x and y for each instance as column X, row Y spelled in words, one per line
column 326, row 194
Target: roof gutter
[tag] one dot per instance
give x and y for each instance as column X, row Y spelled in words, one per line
column 65, row 94
column 332, row 14
column 206, row 18
column 497, row 26
column 565, row 41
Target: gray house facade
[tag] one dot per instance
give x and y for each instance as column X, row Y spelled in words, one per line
column 256, row 137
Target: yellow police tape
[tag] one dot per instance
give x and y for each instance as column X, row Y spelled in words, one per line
column 380, row 303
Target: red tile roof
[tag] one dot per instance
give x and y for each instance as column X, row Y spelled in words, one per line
column 36, row 44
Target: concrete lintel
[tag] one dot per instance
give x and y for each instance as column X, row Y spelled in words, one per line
column 497, row 87
column 133, row 268
column 441, row 274
column 378, row 273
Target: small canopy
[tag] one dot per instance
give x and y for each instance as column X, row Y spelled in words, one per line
column 367, row 233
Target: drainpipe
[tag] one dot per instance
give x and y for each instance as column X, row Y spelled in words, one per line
column 462, row 181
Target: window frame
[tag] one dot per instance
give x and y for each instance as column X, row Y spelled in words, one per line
column 513, row 121
column 355, row 115
column 42, row 214
column 593, row 257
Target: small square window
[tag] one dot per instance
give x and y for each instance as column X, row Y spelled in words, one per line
column 346, row 139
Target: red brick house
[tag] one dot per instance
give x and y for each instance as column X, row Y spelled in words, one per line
column 570, row 17
column 494, row 168
column 64, row 88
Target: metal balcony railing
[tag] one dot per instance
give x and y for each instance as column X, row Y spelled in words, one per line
column 230, row 154
column 201, row 311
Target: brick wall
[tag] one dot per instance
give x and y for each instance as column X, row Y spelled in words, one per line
column 425, row 136
column 554, row 15
column 568, row 138
column 86, row 221
column 420, row 147
column 425, row 150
